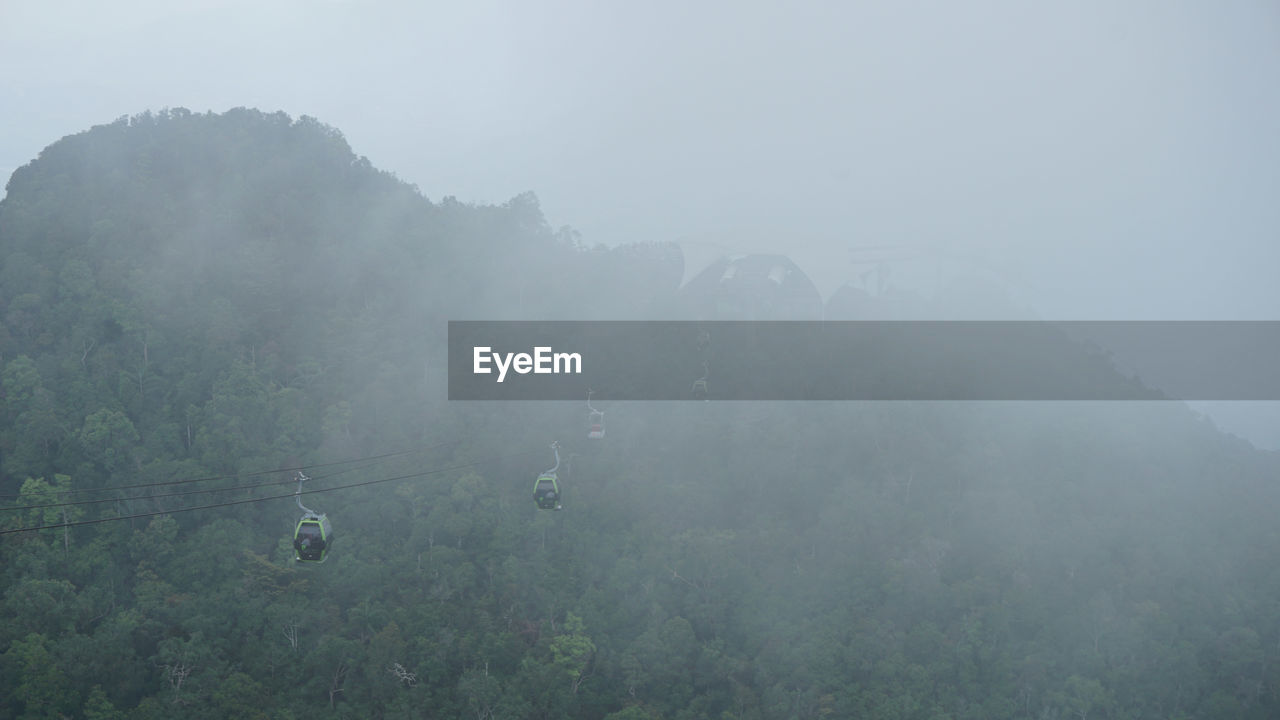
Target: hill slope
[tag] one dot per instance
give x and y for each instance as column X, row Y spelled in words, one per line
column 185, row 295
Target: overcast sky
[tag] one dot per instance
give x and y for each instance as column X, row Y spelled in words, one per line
column 1111, row 160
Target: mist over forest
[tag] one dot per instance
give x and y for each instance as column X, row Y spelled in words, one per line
column 193, row 306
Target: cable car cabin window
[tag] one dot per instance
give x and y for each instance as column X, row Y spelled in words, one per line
column 546, row 493
column 309, row 542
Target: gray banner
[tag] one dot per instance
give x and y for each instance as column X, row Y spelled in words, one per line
column 918, row 360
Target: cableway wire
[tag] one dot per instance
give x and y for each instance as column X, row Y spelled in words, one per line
column 410, row 476
column 232, row 488
column 249, row 474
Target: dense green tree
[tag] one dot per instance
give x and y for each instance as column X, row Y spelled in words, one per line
column 99, row 707
column 188, row 295
column 41, row 689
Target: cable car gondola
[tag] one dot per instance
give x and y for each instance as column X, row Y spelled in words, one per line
column 546, row 489
column 313, row 535
column 700, row 385
column 595, row 419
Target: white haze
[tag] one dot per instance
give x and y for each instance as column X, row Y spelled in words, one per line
column 1098, row 160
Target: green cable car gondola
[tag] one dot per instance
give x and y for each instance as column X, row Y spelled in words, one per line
column 546, row 489
column 313, row 535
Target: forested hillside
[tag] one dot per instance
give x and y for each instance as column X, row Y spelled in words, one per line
column 226, row 297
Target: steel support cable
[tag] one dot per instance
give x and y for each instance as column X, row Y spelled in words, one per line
column 250, row 474
column 410, row 476
column 188, row 492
